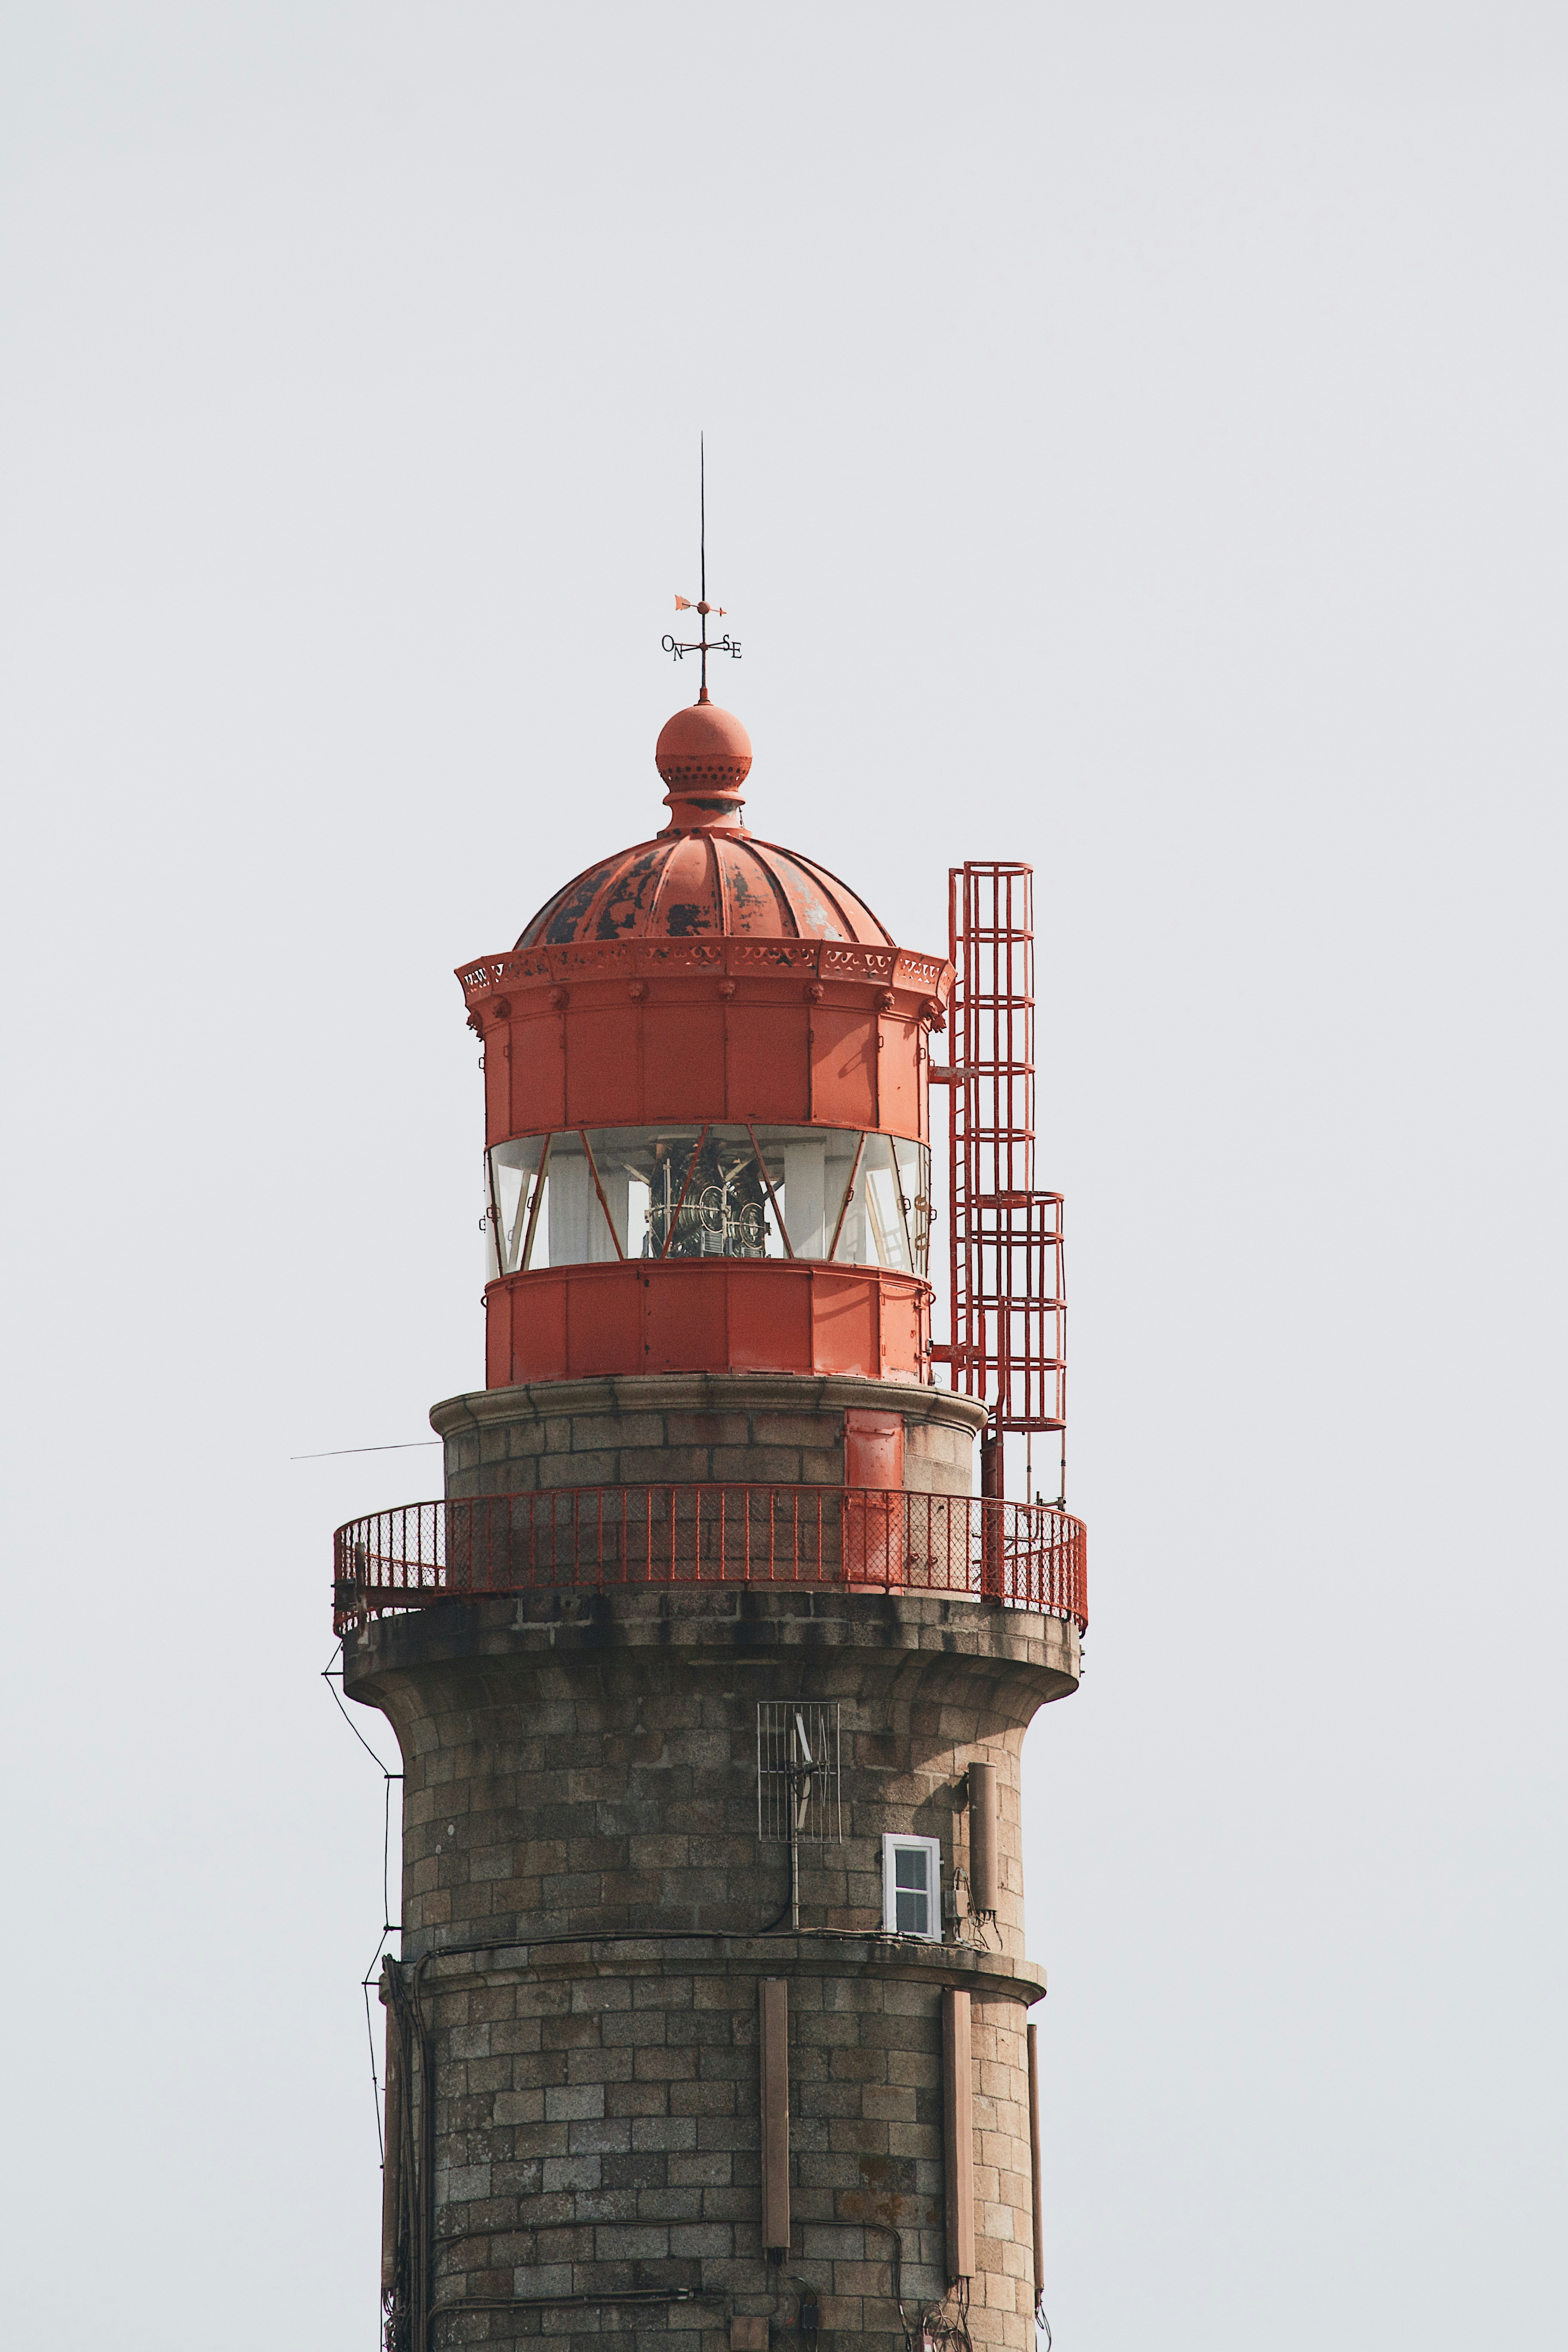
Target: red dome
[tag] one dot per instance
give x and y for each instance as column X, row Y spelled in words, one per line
column 688, row 884
column 704, row 875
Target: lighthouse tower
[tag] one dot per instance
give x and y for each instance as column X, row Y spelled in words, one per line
column 711, row 1667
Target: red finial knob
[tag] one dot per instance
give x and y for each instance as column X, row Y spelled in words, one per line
column 704, row 755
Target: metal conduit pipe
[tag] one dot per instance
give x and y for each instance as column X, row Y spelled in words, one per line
column 392, row 2153
column 958, row 2134
column 1032, row 2037
column 775, row 2055
column 415, row 2149
column 985, row 1839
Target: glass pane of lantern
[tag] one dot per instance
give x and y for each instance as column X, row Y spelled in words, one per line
column 576, row 1231
column 810, row 1169
column 514, row 1184
column 886, row 1204
column 842, row 1149
column 727, row 1191
column 876, row 1231
column 913, row 1163
column 610, row 1179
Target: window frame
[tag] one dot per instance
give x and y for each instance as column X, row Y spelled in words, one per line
column 892, row 1840
column 876, row 1155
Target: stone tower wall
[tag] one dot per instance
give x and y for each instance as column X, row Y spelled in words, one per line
column 756, row 1427
column 597, row 2132
column 584, row 1892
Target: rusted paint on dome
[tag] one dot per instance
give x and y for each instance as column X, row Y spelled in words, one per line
column 705, row 875
column 705, row 884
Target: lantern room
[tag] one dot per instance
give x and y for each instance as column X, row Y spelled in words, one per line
column 706, row 1095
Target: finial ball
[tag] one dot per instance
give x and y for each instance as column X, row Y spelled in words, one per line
column 704, row 755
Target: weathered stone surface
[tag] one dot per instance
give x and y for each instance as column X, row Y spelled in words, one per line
column 664, row 2171
column 760, row 1428
column 584, row 1889
column 586, row 1763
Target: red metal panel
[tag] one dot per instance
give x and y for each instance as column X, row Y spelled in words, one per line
column 874, row 1538
column 495, row 1063
column 844, row 1322
column 539, row 1327
column 604, row 1066
column 768, row 1318
column 604, row 1320
column 842, row 1067
column 873, row 1449
column 769, row 1076
column 897, row 1076
column 538, row 1072
column 709, row 1048
column 498, row 1373
column 684, row 1312
column 902, row 1326
column 683, row 1060
column 722, row 1314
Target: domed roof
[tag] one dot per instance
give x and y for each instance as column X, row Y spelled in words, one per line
column 691, row 885
column 705, row 875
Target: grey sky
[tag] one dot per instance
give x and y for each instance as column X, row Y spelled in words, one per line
column 1136, row 444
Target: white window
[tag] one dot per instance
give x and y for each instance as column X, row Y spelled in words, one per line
column 911, row 1886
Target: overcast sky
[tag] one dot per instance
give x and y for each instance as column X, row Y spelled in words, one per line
column 1135, row 445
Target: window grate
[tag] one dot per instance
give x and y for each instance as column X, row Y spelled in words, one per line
column 797, row 1766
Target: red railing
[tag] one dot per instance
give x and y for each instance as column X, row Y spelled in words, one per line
column 1014, row 1555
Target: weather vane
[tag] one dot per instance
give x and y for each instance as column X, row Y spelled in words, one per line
column 677, row 650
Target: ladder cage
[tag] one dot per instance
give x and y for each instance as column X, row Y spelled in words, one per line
column 1008, row 1296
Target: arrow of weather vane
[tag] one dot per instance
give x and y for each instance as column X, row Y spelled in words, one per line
column 704, row 645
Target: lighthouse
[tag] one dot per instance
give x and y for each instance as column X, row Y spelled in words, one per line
column 711, row 1666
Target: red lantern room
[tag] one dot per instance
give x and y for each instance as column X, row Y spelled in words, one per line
column 706, row 1088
